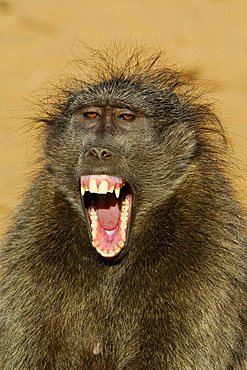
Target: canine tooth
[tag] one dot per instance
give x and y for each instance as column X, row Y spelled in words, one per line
column 117, row 192
column 82, row 190
column 93, row 186
column 103, row 187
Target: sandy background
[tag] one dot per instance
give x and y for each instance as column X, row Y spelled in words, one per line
column 38, row 37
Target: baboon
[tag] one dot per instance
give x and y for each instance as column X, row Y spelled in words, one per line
column 128, row 251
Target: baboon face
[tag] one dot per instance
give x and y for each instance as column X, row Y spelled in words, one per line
column 119, row 161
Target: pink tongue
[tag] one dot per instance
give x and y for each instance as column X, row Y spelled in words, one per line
column 108, row 211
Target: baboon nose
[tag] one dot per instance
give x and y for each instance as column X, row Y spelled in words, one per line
column 99, row 153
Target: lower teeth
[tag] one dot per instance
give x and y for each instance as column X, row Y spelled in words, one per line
column 123, row 227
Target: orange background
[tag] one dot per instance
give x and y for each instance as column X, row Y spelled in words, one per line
column 38, row 37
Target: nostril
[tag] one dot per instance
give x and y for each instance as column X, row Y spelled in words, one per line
column 93, row 152
column 99, row 153
column 105, row 154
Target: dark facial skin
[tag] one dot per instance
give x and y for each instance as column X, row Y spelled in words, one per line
column 106, row 132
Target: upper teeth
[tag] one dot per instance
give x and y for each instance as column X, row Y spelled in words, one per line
column 92, row 186
column 103, row 187
column 101, row 184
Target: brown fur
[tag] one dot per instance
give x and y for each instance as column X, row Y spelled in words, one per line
column 175, row 299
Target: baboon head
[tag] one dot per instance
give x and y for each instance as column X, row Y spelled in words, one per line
column 121, row 143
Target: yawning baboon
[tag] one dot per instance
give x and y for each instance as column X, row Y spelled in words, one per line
column 128, row 251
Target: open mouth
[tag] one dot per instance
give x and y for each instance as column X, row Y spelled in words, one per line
column 108, row 202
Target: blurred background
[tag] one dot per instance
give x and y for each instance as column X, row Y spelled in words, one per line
column 39, row 37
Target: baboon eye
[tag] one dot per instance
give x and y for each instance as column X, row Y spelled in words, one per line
column 127, row 117
column 91, row 114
